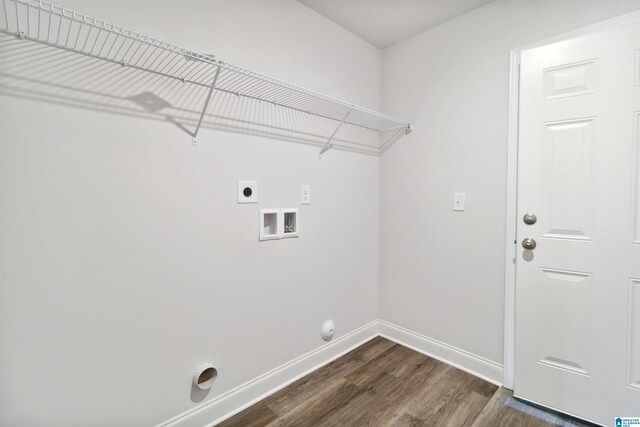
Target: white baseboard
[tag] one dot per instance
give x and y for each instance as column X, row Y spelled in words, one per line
column 461, row 359
column 234, row 401
column 240, row 398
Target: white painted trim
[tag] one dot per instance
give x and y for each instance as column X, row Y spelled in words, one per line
column 511, row 212
column 591, row 29
column 461, row 359
column 512, row 184
column 240, row 398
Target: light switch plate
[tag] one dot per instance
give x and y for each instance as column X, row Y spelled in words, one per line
column 247, row 192
column 458, row 201
column 305, row 195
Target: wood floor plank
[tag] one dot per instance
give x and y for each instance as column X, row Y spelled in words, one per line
column 467, row 410
column 332, row 398
column 298, row 392
column 388, row 409
column 386, row 382
column 482, row 387
column 357, row 410
column 428, row 391
column 257, row 415
column 452, row 400
column 384, row 362
column 413, row 362
column 406, row 420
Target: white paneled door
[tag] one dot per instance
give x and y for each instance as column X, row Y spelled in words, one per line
column 578, row 258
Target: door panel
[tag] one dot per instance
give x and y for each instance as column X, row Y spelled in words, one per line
column 570, row 80
column 567, row 178
column 564, row 340
column 578, row 291
column 634, row 334
column 635, row 234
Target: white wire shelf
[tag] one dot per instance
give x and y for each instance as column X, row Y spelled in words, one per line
column 55, row 54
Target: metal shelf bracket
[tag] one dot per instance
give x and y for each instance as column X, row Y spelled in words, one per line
column 194, row 140
column 327, row 144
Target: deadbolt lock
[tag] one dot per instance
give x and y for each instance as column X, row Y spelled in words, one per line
column 530, row 219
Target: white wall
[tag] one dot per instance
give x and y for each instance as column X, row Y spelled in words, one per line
column 442, row 271
column 126, row 261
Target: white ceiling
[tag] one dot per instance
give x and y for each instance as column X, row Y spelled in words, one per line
column 385, row 22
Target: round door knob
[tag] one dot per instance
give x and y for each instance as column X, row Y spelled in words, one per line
column 530, row 219
column 529, row 243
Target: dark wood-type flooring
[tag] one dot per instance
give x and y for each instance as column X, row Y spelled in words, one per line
column 385, row 384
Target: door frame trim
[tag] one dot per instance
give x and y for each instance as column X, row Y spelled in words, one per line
column 512, row 184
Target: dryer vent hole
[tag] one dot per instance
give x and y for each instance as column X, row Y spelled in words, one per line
column 207, row 375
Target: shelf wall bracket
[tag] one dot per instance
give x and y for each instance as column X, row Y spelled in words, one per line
column 194, row 140
column 327, row 144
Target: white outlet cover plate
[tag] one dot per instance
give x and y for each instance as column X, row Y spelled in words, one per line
column 305, row 195
column 253, row 185
column 459, row 201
